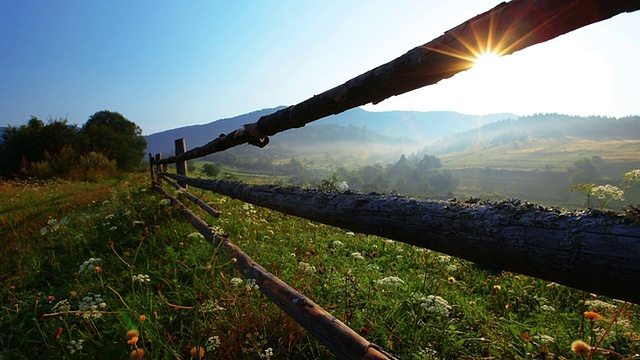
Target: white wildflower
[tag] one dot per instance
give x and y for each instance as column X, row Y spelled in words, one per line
column 89, row 264
column 599, row 304
column 212, row 343
column 608, row 191
column 210, row 306
column 544, row 339
column 444, row 258
column 390, row 281
column 337, row 243
column 251, row 285
column 61, row 306
column 89, row 306
column 268, row 353
column 350, row 233
column 548, row 308
column 75, row 346
column 164, row 202
column 307, row 268
column 357, row 256
column 436, row 304
column 236, row 281
column 195, row 235
column 141, row 278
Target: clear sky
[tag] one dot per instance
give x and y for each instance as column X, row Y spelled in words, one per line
column 168, row 64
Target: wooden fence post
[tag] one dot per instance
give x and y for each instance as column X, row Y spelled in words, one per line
column 159, row 168
column 181, row 166
column 153, row 180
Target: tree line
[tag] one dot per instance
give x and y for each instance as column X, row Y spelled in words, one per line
column 108, row 142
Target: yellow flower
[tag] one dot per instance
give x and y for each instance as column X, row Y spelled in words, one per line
column 452, row 280
column 497, row 288
column 591, row 315
column 580, row 347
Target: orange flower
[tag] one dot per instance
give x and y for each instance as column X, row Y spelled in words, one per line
column 580, row 347
column 591, row 315
column 143, row 317
column 133, row 341
column 132, row 337
column 197, row 352
column 97, row 269
column 137, row 354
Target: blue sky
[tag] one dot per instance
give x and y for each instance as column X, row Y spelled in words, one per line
column 167, row 64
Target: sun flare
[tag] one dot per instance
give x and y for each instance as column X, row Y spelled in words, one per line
column 486, row 60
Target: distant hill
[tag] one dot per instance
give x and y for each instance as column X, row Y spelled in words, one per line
column 537, row 127
column 411, row 126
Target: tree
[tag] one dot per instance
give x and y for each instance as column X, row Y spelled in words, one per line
column 210, row 169
column 25, row 145
column 116, row 137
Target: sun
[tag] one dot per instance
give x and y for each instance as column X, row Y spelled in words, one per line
column 487, row 61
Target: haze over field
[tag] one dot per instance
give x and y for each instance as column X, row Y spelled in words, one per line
column 169, row 64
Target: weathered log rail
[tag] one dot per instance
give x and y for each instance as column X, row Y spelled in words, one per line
column 507, row 28
column 589, row 250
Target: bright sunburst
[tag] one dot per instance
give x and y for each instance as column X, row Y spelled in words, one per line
column 486, row 60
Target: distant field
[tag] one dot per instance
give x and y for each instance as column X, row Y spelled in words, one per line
column 542, row 154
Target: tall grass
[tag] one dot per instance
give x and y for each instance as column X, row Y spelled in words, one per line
column 100, row 273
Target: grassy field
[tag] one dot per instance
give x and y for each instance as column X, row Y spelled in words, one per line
column 110, row 270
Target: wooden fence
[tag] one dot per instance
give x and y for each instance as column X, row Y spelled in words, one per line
column 565, row 247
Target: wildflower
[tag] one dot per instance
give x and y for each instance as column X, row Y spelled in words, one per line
column 350, row 233
column 337, row 243
column 452, row 280
column 212, row 343
column 236, row 281
column 444, row 258
column 357, row 256
column 268, row 353
column 75, row 346
column 436, row 304
column 164, row 202
column 452, row 268
column 608, row 191
column 141, row 278
column 390, row 281
column 497, row 288
column 599, row 304
column 57, row 334
column 548, row 308
column 89, row 265
column 544, row 339
column 136, row 354
column 132, row 337
column 210, row 306
column 50, row 298
column 251, row 285
column 89, row 306
column 631, row 175
column 591, row 315
column 97, row 269
column 580, row 347
column 307, row 268
column 197, row 352
column 143, row 317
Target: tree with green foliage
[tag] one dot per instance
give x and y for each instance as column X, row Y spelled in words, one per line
column 116, row 137
column 37, row 142
column 210, row 169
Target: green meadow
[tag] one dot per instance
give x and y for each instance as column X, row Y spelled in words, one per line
column 110, row 270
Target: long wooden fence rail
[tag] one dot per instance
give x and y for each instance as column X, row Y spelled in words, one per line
column 590, row 250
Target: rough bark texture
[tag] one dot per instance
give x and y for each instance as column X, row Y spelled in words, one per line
column 589, row 250
column 331, row 332
column 514, row 25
